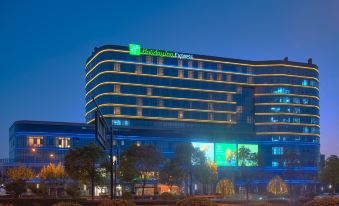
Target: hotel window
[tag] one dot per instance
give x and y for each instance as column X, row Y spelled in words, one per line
column 139, row 112
column 306, row 130
column 275, row 109
column 296, row 119
column 304, row 82
column 64, row 142
column 210, row 76
column 149, row 59
column 149, row 91
column 35, row 141
column 180, row 114
column 274, row 119
column 296, row 110
column 160, row 60
column 219, row 67
column 305, row 101
column 116, row 88
column 190, row 64
column 117, row 111
column 239, row 109
column 277, row 150
column 229, row 78
column 138, row 69
column 180, row 62
column 249, row 120
column 281, row 90
column 219, row 77
column 139, row 101
column 210, row 116
column 210, row 106
column 190, row 74
column 296, row 100
column 116, row 67
column 200, row 65
column 314, row 120
column 180, row 74
column 200, row 75
column 249, row 70
column 284, row 100
column 250, row 80
column 160, row 71
column 160, row 102
column 275, row 164
column 229, row 97
column 239, row 90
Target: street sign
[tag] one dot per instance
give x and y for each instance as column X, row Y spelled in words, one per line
column 100, row 129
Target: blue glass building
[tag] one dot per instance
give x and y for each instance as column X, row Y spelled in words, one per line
column 164, row 98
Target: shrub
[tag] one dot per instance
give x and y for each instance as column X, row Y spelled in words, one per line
column 66, row 204
column 196, row 201
column 326, row 201
column 167, row 196
column 127, row 196
column 16, row 188
column 117, row 203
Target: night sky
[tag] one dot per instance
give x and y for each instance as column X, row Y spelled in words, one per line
column 44, row 46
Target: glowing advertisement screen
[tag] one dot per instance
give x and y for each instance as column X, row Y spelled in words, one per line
column 225, row 154
column 207, row 148
column 247, row 155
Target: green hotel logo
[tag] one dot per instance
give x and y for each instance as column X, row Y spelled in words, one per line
column 134, row 49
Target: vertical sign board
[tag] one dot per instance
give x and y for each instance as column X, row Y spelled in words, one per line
column 100, row 130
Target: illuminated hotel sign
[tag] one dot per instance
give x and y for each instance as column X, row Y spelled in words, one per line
column 135, row 49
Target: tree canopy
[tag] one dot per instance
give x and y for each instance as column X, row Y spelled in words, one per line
column 83, row 164
column 330, row 173
column 20, row 173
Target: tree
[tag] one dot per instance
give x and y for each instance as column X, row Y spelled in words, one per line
column 140, row 162
column 330, row 174
column 277, row 186
column 205, row 173
column 225, row 187
column 183, row 160
column 169, row 174
column 247, row 158
column 19, row 176
column 20, row 173
column 53, row 175
column 82, row 164
column 17, row 187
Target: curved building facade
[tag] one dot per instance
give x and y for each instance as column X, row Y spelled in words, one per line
column 164, row 98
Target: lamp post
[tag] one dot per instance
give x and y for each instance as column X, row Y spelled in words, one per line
column 110, row 129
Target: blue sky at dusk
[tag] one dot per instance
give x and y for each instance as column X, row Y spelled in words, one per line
column 44, row 46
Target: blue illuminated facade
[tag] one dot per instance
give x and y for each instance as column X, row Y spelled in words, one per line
column 196, row 98
column 165, row 98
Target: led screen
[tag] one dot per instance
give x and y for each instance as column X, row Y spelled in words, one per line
column 247, row 155
column 225, row 154
column 207, row 148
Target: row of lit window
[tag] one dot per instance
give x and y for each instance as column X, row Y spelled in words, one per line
column 188, row 74
column 61, row 142
column 149, row 92
column 292, row 119
column 117, row 111
column 209, row 76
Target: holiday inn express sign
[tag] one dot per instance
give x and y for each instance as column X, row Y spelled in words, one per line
column 135, row 49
